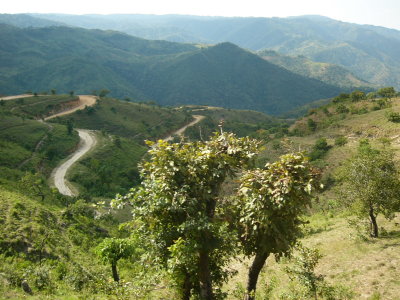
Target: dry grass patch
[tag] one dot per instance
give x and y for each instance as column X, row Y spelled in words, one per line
column 369, row 268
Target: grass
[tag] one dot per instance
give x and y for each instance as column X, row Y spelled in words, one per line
column 369, row 268
column 38, row 106
column 26, row 133
column 365, row 267
column 241, row 122
column 127, row 119
column 110, row 169
column 19, row 151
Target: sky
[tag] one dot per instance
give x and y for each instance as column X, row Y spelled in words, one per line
column 375, row 12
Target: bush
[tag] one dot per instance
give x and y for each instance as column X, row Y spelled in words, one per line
column 341, row 140
column 319, row 149
column 393, row 117
column 312, row 125
column 40, row 277
column 342, row 109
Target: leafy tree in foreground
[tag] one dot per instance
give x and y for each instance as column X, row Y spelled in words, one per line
column 111, row 250
column 180, row 211
column 371, row 184
column 271, row 201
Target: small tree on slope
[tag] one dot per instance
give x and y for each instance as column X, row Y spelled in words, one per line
column 370, row 184
column 111, row 250
column 270, row 203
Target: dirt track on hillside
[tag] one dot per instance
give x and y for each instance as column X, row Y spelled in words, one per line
column 88, row 141
column 84, row 100
column 180, row 131
column 16, row 97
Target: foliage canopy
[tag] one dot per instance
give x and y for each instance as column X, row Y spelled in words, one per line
column 371, row 184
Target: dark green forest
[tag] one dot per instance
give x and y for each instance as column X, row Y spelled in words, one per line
column 168, row 73
column 369, row 52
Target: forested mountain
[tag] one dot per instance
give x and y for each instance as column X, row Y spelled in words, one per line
column 25, row 20
column 371, row 53
column 170, row 73
column 326, row 72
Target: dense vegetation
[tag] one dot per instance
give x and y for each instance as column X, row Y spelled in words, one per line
column 370, row 52
column 326, row 72
column 169, row 73
column 29, row 145
column 210, row 215
column 66, row 248
column 137, row 121
column 241, row 122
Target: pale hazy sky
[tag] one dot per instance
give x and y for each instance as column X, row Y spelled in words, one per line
column 375, row 12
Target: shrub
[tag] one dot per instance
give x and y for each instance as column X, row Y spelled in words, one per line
column 393, row 117
column 319, row 149
column 342, row 109
column 341, row 140
column 312, row 125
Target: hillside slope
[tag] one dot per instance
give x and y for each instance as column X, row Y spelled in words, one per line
column 170, row 73
column 371, row 53
column 328, row 73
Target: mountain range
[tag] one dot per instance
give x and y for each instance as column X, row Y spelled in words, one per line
column 326, row 72
column 67, row 58
column 372, row 53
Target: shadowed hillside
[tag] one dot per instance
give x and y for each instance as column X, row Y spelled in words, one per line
column 169, row 73
column 370, row 52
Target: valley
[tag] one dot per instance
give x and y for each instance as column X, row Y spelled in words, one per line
column 189, row 157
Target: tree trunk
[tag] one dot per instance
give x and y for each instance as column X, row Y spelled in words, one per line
column 205, row 276
column 187, row 287
column 256, row 266
column 206, row 292
column 374, row 225
column 114, row 272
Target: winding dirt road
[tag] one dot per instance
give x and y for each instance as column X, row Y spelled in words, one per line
column 88, row 141
column 16, row 97
column 180, row 131
column 84, row 100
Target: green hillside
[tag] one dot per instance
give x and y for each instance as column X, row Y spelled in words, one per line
column 25, row 20
column 198, row 209
column 80, row 60
column 328, row 73
column 369, row 52
column 30, row 145
column 232, row 78
column 241, row 122
column 138, row 121
column 49, row 243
